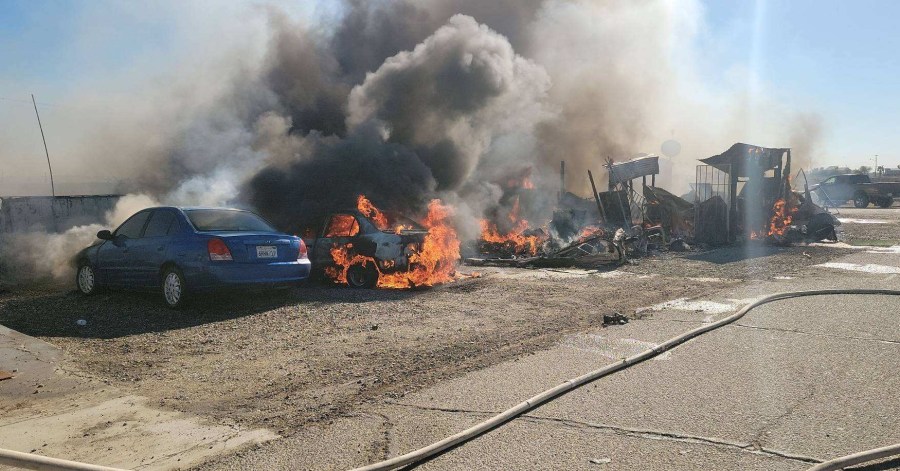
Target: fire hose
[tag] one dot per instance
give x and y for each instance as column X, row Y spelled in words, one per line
column 18, row 459
column 435, row 449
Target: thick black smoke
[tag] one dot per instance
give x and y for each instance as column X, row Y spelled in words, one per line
column 334, row 172
column 418, row 124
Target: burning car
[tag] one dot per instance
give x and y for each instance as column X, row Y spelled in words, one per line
column 366, row 247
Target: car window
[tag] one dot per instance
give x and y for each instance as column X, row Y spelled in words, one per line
column 159, row 224
column 133, row 226
column 176, row 226
column 227, row 220
column 829, row 180
column 342, row 225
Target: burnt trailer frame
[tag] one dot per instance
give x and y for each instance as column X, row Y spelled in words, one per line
column 749, row 164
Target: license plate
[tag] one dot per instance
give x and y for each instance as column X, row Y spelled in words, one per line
column 266, row 251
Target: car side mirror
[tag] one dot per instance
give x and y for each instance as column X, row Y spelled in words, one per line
column 105, row 235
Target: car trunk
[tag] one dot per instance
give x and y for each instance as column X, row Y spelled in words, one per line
column 258, row 247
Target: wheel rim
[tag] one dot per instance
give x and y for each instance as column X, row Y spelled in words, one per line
column 86, row 279
column 172, row 289
column 860, row 200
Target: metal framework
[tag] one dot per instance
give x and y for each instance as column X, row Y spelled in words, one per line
column 709, row 183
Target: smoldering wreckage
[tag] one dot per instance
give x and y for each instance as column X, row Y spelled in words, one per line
column 743, row 195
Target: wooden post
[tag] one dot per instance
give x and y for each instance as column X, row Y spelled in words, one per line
column 597, row 196
column 562, row 179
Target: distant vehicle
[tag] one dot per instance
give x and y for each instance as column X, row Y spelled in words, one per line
column 837, row 190
column 183, row 251
column 389, row 246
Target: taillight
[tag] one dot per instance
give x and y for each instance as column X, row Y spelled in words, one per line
column 218, row 250
column 303, row 252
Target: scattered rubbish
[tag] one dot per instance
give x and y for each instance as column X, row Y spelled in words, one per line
column 5, row 375
column 374, row 327
column 81, row 322
column 600, row 461
column 679, row 245
column 615, row 318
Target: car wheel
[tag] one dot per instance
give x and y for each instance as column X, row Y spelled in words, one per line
column 861, row 200
column 362, row 276
column 86, row 279
column 174, row 290
column 886, row 202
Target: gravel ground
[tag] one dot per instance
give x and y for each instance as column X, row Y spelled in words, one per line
column 285, row 360
column 871, row 226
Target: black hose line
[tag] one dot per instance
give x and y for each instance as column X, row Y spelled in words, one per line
column 534, row 402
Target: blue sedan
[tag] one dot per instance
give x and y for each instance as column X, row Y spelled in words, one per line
column 183, row 251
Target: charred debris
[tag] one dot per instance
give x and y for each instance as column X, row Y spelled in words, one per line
column 743, row 195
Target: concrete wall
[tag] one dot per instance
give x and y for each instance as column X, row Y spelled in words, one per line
column 52, row 214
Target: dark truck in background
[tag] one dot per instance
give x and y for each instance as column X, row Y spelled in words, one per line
column 838, row 189
column 387, row 245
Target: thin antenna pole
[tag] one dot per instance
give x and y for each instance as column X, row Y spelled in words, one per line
column 46, row 152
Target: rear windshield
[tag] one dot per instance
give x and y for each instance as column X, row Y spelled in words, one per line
column 227, row 220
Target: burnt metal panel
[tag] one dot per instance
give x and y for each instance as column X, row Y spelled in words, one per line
column 622, row 172
column 746, row 160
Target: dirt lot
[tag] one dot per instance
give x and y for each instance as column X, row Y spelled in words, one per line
column 315, row 352
column 284, row 360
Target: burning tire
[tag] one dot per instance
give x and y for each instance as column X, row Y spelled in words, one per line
column 362, row 276
column 860, row 200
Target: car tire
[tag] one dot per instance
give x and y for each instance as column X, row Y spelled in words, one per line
column 860, row 200
column 173, row 288
column 86, row 279
column 886, row 202
column 362, row 276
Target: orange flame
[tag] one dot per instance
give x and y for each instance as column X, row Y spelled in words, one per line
column 781, row 218
column 433, row 263
column 515, row 236
column 590, row 232
column 370, row 211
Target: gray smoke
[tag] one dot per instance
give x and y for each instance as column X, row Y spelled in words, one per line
column 407, row 100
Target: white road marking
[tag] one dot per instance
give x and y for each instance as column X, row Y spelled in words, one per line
column 891, row 249
column 614, row 349
column 865, row 221
column 867, row 268
column 684, row 304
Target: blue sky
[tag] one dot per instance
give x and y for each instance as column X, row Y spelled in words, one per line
column 839, row 59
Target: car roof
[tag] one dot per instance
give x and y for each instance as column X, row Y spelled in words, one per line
column 192, row 208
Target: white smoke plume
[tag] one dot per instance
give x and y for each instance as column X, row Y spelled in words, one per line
column 41, row 256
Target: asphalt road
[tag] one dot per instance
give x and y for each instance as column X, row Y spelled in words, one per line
column 791, row 384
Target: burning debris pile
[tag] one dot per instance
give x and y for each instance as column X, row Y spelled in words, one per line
column 749, row 196
column 516, row 238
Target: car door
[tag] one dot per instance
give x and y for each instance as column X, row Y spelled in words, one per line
column 150, row 251
column 115, row 258
column 339, row 229
column 827, row 189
